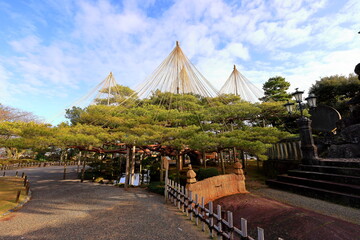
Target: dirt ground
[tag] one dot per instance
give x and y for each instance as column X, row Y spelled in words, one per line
column 285, row 221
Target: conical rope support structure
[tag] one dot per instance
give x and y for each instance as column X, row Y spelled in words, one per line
column 239, row 85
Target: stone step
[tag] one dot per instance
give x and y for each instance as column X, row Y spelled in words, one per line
column 332, row 169
column 333, row 196
column 340, row 162
column 338, row 178
column 331, row 186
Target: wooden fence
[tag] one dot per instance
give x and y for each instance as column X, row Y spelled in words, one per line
column 218, row 222
column 26, row 185
column 35, row 164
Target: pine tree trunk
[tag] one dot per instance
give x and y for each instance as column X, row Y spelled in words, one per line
column 127, row 167
column 235, row 158
column 204, row 158
column 222, row 162
column 79, row 162
column 161, row 169
column 132, row 169
column 178, row 167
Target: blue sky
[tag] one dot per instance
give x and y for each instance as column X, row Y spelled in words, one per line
column 54, row 52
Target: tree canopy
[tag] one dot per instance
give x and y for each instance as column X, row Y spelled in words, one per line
column 336, row 90
column 275, row 90
column 177, row 121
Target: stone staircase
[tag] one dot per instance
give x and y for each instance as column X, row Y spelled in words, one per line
column 335, row 180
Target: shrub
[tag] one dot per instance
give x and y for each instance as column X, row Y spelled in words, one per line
column 204, row 173
column 157, row 187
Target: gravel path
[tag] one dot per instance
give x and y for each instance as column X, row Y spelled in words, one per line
column 68, row 209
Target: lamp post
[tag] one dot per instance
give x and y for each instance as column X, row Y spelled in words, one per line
column 308, row 148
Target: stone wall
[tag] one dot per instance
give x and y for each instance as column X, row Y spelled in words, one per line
column 218, row 186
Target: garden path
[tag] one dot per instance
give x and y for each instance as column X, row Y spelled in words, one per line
column 68, row 209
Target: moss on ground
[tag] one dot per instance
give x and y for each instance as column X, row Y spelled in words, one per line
column 9, row 186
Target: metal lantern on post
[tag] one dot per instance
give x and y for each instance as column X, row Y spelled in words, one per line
column 308, row 148
column 289, row 106
column 311, row 100
column 298, row 95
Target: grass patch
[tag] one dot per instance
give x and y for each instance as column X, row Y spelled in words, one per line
column 9, row 186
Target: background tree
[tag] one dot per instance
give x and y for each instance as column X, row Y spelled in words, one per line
column 336, row 90
column 275, row 90
column 13, row 114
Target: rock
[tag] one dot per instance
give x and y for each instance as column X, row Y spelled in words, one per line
column 344, row 151
column 351, row 134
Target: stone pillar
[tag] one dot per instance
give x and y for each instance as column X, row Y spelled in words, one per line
column 191, row 177
column 308, row 148
column 238, row 170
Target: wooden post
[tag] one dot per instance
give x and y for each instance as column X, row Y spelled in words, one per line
column 4, row 174
column 127, row 168
column 83, row 170
column 25, row 179
column 27, row 188
column 18, row 196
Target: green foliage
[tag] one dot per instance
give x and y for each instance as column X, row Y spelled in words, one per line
column 336, row 90
column 275, row 90
column 157, row 187
column 204, row 173
column 74, row 114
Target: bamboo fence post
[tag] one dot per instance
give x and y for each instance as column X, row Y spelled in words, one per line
column 244, row 227
column 196, row 210
column 203, row 213
column 187, row 202
column 211, row 219
column 182, row 198
column 260, row 233
column 191, row 205
column 231, row 224
column 178, row 197
column 219, row 223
